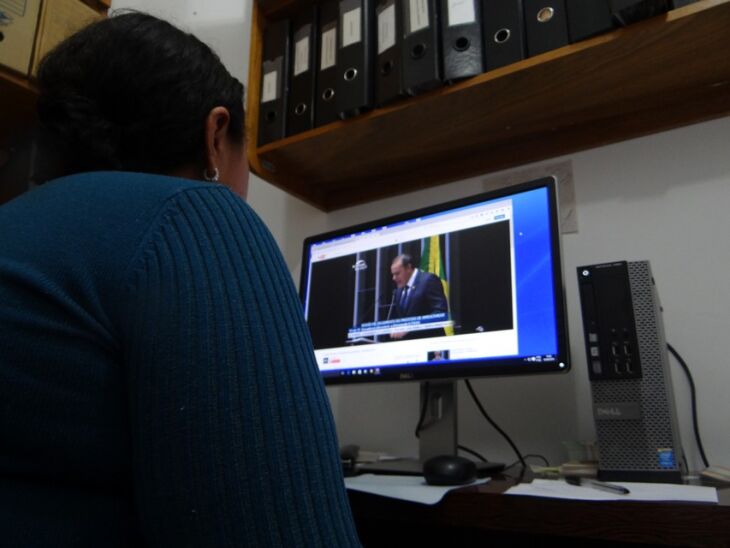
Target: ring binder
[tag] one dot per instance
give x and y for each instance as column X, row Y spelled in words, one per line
column 274, row 84
column 388, row 75
column 626, row 12
column 356, row 57
column 504, row 32
column 546, row 25
column 300, row 115
column 325, row 110
column 421, row 51
column 462, row 39
column 588, row 18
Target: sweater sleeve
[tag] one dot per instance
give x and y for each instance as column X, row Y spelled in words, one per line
column 233, row 438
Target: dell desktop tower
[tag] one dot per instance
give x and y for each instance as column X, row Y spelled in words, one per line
column 628, row 366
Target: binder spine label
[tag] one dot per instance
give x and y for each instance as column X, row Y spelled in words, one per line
column 351, row 27
column 301, row 53
column 386, row 28
column 270, row 90
column 461, row 12
column 418, row 15
column 328, row 55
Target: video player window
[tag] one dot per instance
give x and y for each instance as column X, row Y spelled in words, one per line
column 455, row 286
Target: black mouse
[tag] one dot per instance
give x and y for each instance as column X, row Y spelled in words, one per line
column 449, row 470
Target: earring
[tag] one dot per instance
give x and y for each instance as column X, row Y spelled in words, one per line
column 213, row 177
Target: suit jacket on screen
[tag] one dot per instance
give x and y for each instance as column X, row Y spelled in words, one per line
column 426, row 297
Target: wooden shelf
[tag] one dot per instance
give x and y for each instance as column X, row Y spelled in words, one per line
column 17, row 106
column 659, row 74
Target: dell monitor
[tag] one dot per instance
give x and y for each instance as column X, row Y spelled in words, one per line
column 470, row 288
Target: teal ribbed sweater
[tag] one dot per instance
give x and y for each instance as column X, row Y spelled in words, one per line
column 157, row 382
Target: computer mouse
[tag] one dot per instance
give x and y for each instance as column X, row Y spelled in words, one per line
column 449, row 470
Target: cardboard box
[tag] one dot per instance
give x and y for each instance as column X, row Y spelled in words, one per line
column 18, row 23
column 58, row 20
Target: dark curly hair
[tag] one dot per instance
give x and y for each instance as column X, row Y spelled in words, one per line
column 132, row 93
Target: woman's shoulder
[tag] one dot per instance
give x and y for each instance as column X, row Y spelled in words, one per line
column 118, row 194
column 119, row 204
column 123, row 183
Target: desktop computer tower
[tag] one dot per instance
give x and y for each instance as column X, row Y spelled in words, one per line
column 628, row 366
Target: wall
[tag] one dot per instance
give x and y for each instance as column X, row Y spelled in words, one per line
column 662, row 198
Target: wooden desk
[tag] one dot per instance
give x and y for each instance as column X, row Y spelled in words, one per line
column 482, row 516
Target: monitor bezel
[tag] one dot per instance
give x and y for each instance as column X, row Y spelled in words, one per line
column 476, row 368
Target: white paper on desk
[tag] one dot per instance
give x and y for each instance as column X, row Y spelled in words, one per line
column 638, row 491
column 410, row 488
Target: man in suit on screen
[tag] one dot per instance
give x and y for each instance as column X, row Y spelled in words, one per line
column 417, row 293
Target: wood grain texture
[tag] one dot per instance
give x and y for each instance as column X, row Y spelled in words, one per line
column 253, row 91
column 659, row 74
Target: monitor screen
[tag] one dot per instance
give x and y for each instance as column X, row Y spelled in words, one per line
column 467, row 288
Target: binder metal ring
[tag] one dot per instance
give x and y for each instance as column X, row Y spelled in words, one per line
column 545, row 14
column 502, row 35
column 462, row 43
column 300, row 109
column 418, row 51
column 328, row 94
column 350, row 74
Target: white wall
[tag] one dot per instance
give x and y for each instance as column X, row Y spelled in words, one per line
column 664, row 198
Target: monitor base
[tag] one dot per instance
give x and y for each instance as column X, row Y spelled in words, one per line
column 414, row 467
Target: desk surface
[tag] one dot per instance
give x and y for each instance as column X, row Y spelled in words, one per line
column 472, row 516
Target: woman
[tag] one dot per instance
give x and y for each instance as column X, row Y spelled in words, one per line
column 157, row 382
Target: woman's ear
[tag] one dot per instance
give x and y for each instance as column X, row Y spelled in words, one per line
column 225, row 158
column 216, row 130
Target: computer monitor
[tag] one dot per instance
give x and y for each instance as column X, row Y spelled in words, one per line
column 469, row 288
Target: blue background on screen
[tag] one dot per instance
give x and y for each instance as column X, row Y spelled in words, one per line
column 534, row 273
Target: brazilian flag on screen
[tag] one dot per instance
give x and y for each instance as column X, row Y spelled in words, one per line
column 432, row 261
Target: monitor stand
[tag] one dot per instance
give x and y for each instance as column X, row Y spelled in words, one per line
column 438, row 434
